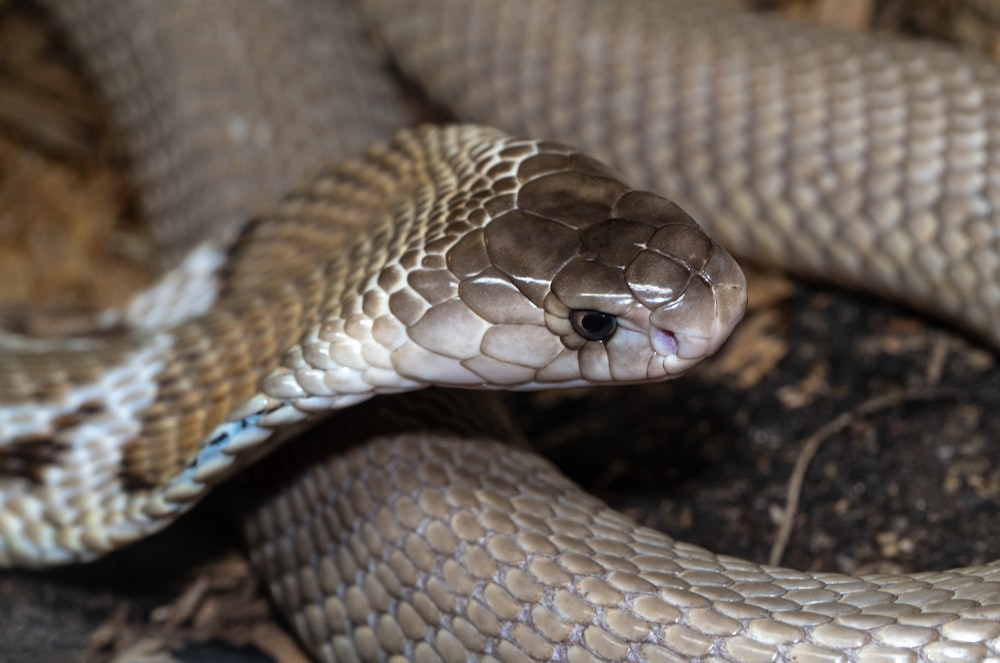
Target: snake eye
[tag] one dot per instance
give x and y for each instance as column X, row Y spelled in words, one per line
column 593, row 325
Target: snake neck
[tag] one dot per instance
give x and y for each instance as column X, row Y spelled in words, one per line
column 296, row 327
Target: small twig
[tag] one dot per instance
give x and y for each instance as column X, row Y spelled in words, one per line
column 816, row 440
column 106, row 637
column 938, row 360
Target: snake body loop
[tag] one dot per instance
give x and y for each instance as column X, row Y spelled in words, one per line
column 463, row 256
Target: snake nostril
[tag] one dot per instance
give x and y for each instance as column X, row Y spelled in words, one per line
column 664, row 342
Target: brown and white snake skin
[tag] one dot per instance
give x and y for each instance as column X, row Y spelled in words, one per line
column 462, row 256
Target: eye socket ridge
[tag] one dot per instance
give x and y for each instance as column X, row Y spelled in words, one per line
column 593, row 325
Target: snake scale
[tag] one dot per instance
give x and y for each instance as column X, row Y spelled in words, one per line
column 466, row 256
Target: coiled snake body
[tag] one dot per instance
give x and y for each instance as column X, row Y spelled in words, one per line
column 463, row 256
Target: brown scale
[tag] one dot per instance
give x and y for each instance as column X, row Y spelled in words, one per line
column 279, row 282
column 44, row 375
column 29, row 457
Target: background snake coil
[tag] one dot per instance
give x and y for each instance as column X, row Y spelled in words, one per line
column 465, row 256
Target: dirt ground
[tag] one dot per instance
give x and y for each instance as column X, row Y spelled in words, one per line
column 892, row 417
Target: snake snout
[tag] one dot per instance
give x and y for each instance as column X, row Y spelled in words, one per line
column 691, row 289
column 696, row 322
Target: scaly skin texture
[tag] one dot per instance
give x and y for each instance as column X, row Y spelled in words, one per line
column 457, row 547
column 864, row 161
column 406, row 268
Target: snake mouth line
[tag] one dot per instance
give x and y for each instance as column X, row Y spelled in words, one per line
column 664, row 342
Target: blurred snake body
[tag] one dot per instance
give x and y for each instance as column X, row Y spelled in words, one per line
column 466, row 256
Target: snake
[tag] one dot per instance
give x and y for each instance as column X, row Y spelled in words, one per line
column 323, row 250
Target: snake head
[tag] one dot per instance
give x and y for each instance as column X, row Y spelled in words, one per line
column 558, row 273
column 648, row 294
column 630, row 285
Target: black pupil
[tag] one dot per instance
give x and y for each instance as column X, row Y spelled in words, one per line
column 593, row 325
